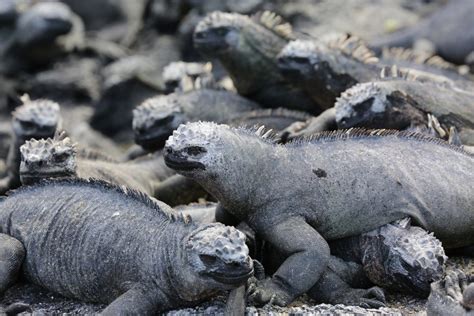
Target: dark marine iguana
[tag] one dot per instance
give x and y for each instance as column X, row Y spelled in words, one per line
column 450, row 30
column 33, row 119
column 454, row 295
column 112, row 245
column 364, row 180
column 43, row 32
column 57, row 158
column 401, row 101
column 156, row 118
column 247, row 48
column 326, row 69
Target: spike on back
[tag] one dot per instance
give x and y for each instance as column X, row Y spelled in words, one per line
column 400, row 53
column 355, row 47
column 274, row 23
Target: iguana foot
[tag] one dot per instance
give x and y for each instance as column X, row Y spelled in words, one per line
column 267, row 292
column 454, row 295
column 366, row 298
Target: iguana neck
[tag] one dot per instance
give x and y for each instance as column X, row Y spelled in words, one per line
column 253, row 65
column 249, row 155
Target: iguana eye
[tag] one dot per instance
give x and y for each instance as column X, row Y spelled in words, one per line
column 207, row 259
column 61, row 157
column 195, row 150
column 221, row 31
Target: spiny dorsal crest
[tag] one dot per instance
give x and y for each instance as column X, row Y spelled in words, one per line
column 358, row 93
column 42, row 112
column 354, row 47
column 218, row 19
column 362, row 133
column 274, row 23
column 224, row 242
column 393, row 72
column 299, row 48
column 177, row 70
column 400, row 53
column 205, row 132
column 153, row 109
column 42, row 149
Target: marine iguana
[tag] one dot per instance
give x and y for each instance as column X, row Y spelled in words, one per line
column 454, row 295
column 302, row 207
column 116, row 246
column 57, row 158
column 156, row 118
column 326, row 69
column 450, row 30
column 401, row 101
column 43, row 32
column 247, row 48
column 33, row 119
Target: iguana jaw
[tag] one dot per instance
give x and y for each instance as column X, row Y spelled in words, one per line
column 232, row 279
column 180, row 162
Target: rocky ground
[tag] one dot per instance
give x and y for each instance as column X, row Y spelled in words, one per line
column 45, row 303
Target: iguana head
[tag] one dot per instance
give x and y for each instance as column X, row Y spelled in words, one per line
column 43, row 23
column 47, row 158
column 218, row 33
column 403, row 257
column 298, row 59
column 218, row 253
column 195, row 148
column 36, row 119
column 375, row 105
column 156, row 119
column 177, row 74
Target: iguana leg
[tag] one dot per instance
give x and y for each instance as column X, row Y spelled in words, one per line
column 307, row 255
column 333, row 287
column 139, row 300
column 12, row 254
column 323, row 122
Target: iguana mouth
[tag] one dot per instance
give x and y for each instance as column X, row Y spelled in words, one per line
column 178, row 162
column 231, row 279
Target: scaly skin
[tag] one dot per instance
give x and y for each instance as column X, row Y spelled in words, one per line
column 349, row 190
column 33, row 119
column 56, row 158
column 156, row 118
column 452, row 296
column 247, row 48
column 401, row 104
column 450, row 30
column 326, row 69
column 116, row 246
column 396, row 256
